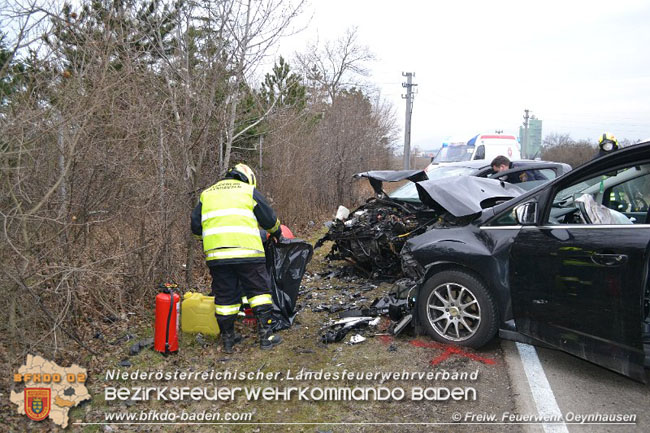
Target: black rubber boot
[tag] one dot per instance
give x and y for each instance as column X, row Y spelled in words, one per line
column 228, row 335
column 265, row 327
column 229, row 339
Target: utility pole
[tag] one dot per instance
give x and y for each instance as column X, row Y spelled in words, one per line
column 525, row 144
column 407, row 123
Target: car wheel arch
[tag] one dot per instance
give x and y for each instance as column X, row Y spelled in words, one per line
column 442, row 266
column 437, row 267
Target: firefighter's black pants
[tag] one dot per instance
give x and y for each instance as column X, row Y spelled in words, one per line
column 228, row 282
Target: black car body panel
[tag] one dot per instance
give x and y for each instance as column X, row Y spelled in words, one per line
column 482, row 252
column 577, row 287
column 465, row 195
column 576, row 302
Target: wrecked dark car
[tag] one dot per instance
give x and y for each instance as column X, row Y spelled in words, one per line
column 372, row 236
column 565, row 264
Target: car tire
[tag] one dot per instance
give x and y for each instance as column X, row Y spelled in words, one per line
column 455, row 307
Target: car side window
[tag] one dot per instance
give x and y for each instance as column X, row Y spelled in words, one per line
column 507, row 219
column 526, row 178
column 631, row 196
column 548, row 173
column 529, row 176
column 607, row 198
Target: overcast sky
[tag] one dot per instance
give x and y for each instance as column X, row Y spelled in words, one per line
column 583, row 67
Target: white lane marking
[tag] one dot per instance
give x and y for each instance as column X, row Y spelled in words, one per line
column 540, row 388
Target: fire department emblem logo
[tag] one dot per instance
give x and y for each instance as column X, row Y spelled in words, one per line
column 37, row 403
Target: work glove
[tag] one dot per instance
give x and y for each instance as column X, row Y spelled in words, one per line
column 277, row 236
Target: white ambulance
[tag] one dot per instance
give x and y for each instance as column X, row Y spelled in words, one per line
column 480, row 147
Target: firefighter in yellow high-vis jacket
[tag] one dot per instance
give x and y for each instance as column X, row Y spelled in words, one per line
column 228, row 218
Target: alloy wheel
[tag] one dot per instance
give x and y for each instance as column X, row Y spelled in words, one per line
column 453, row 311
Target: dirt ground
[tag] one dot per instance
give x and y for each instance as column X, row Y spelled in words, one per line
column 302, row 349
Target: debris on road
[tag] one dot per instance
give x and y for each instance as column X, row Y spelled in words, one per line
column 202, row 341
column 136, row 348
column 337, row 331
column 356, row 311
column 124, row 338
column 357, row 338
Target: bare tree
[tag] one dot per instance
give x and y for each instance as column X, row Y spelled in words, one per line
column 556, row 139
column 127, row 111
column 253, row 25
column 337, row 65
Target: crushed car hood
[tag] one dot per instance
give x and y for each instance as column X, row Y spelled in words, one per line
column 465, row 195
column 377, row 177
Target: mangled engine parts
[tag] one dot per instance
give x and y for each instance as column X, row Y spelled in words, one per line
column 372, row 236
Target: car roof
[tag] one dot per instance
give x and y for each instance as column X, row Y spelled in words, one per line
column 481, row 163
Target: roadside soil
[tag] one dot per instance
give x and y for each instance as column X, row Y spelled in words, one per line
column 302, row 350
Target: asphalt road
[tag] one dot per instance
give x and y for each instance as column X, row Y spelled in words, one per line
column 550, row 382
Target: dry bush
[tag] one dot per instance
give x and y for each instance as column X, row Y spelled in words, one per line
column 573, row 153
column 109, row 140
column 309, row 165
column 106, row 146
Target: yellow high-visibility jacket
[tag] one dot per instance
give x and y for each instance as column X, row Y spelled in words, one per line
column 228, row 218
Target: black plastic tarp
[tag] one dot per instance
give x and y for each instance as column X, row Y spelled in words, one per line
column 286, row 262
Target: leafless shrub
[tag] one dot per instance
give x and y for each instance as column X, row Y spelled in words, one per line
column 119, row 116
column 562, row 148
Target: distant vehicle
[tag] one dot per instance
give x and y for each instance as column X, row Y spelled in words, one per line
column 480, row 147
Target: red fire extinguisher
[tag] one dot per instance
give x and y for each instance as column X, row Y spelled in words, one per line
column 167, row 319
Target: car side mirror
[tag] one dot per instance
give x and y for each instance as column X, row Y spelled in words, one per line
column 526, row 214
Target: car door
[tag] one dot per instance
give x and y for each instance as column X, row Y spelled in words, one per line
column 579, row 286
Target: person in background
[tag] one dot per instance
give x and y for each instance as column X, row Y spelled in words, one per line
column 607, row 143
column 502, row 163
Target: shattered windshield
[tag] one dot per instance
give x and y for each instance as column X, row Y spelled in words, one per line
column 454, row 154
column 408, row 192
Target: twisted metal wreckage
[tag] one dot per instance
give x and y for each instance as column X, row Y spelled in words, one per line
column 372, row 236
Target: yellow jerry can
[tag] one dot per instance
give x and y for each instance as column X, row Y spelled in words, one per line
column 197, row 314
